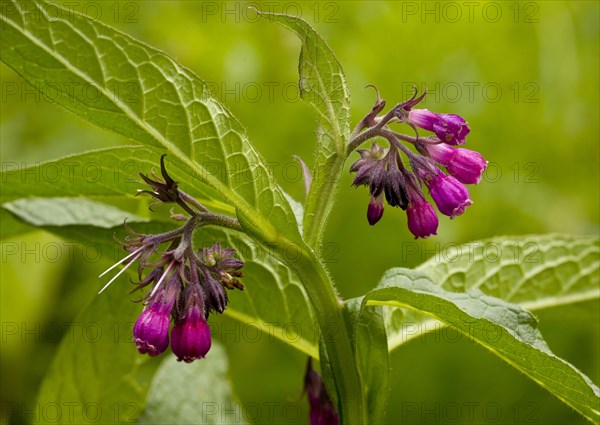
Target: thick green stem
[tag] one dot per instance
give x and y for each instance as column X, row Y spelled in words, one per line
column 321, row 201
column 338, row 341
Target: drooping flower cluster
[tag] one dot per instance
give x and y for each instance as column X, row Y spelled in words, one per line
column 385, row 174
column 185, row 284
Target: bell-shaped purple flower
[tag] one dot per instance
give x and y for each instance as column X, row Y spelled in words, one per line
column 441, row 153
column 449, row 128
column 375, row 209
column 190, row 337
column 151, row 330
column 422, row 218
column 450, row 195
column 464, row 164
column 467, row 166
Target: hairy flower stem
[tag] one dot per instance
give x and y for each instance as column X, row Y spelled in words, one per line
column 358, row 138
column 208, row 218
column 191, row 200
column 338, row 341
column 322, row 201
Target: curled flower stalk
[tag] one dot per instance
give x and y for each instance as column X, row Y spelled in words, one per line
column 182, row 285
column 384, row 171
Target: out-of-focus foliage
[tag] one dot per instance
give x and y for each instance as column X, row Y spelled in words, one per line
column 526, row 77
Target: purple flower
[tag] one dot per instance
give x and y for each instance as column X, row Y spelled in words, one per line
column 375, row 209
column 467, row 166
column 450, row 195
column 321, row 409
column 449, row 128
column 441, row 153
column 422, row 218
column 151, row 330
column 464, row 164
column 190, row 337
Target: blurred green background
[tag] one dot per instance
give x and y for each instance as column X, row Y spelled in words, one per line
column 524, row 74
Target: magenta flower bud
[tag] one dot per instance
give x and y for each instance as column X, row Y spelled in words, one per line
column 464, row 164
column 440, row 152
column 467, row 166
column 151, row 330
column 190, row 337
column 449, row 128
column 422, row 218
column 375, row 209
column 450, row 195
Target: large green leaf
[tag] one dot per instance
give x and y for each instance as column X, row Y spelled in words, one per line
column 274, row 301
column 104, row 172
column 196, row 393
column 121, row 84
column 97, row 375
column 536, row 272
column 322, row 85
column 507, row 330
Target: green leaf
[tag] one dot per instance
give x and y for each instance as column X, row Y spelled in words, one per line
column 199, row 392
column 97, row 375
column 68, row 211
column 274, row 301
column 322, row 85
column 372, row 356
column 535, row 272
column 143, row 94
column 169, row 107
column 507, row 330
column 104, row 172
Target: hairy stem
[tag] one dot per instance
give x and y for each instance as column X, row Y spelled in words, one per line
column 191, row 200
column 342, row 359
column 320, row 202
column 208, row 218
column 357, row 139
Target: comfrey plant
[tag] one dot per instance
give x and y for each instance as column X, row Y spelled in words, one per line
column 232, row 215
